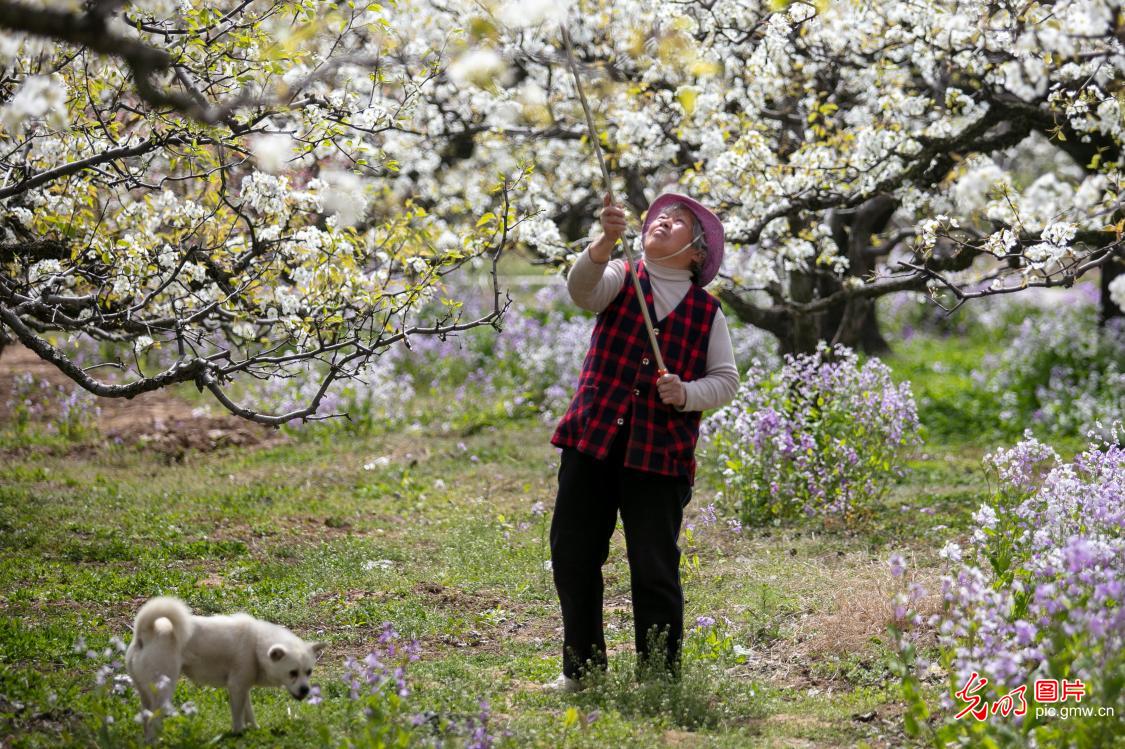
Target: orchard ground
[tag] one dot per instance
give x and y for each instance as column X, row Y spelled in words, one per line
column 442, row 531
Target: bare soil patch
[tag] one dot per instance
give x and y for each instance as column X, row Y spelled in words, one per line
column 159, row 419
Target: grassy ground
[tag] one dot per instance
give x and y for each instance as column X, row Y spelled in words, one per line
column 436, row 531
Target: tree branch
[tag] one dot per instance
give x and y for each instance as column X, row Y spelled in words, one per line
column 181, row 371
column 47, row 175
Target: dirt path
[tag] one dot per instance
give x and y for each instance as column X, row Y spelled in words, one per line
column 160, row 419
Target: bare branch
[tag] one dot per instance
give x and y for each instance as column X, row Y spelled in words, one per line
column 181, row 371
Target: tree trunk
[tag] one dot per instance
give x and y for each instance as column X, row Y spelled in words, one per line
column 856, row 326
column 854, row 323
column 804, row 330
column 871, row 340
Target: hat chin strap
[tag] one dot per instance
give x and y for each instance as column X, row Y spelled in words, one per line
column 661, row 260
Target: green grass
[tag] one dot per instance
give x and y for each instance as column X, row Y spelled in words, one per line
column 314, row 535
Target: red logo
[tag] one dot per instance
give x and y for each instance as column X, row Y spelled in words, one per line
column 979, row 708
column 1077, row 690
column 1013, row 703
column 1008, row 703
column 1046, row 690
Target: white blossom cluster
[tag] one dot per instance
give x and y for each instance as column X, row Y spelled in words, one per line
column 685, row 98
column 1117, row 291
column 290, row 221
column 386, row 130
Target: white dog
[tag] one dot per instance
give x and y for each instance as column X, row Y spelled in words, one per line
column 236, row 652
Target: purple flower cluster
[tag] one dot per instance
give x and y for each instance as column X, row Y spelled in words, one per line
column 112, row 683
column 753, row 347
column 529, row 366
column 821, row 436
column 1061, row 371
column 377, row 392
column 711, row 641
column 906, row 314
column 1039, row 592
column 110, row 674
column 479, row 737
column 69, row 411
column 379, row 681
column 539, row 356
column 383, row 670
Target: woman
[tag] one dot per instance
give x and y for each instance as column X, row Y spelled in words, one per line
column 628, row 437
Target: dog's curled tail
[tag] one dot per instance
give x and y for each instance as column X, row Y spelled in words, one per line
column 163, row 617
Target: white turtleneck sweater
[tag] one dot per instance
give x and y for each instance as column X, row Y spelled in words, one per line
column 594, row 285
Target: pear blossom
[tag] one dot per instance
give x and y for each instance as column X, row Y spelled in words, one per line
column 1117, row 291
column 477, row 66
column 272, row 151
column 1000, row 243
column 41, row 97
column 518, row 13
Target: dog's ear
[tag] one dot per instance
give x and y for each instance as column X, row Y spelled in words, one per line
column 277, row 652
column 318, row 648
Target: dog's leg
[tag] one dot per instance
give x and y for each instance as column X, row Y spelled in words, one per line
column 249, row 714
column 239, row 706
column 152, row 700
column 155, row 724
column 152, row 727
column 147, row 703
column 155, row 691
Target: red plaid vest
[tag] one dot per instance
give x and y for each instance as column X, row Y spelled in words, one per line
column 618, row 382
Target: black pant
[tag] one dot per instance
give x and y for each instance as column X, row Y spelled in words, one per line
column 652, row 506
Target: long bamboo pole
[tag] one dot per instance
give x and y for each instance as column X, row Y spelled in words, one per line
column 596, row 143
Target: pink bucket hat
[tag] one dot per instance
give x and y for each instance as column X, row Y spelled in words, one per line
column 712, row 231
